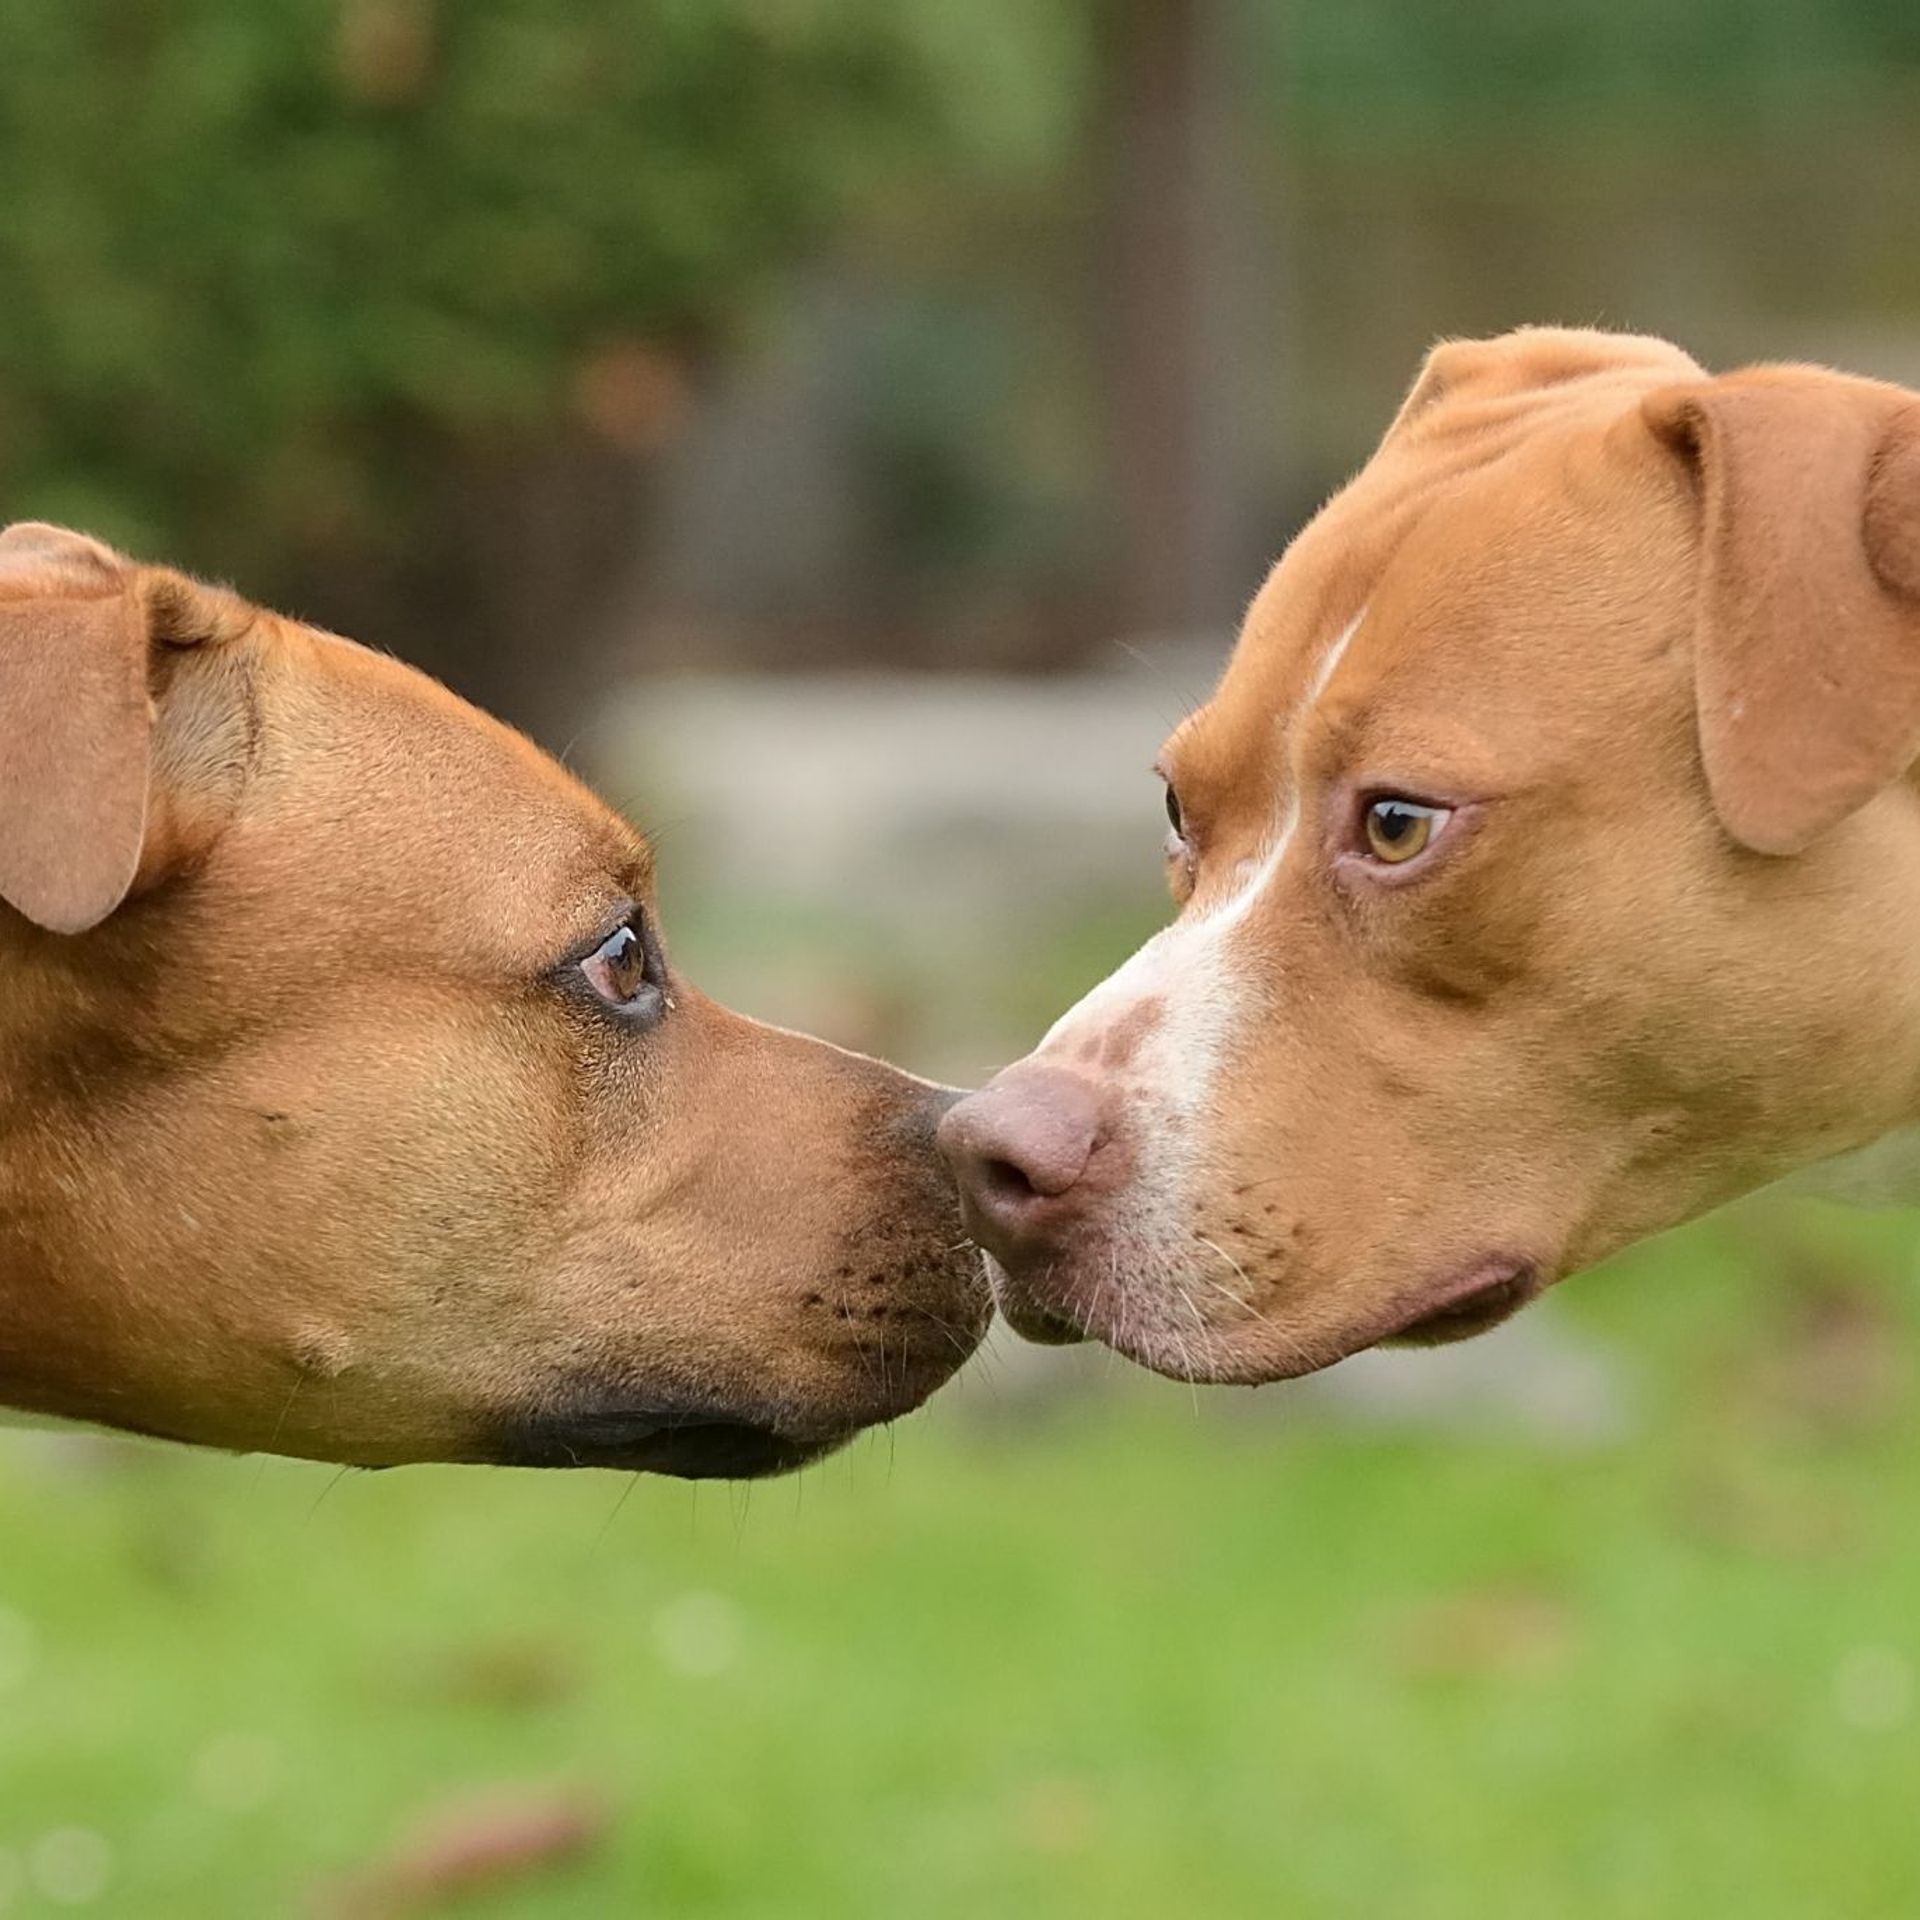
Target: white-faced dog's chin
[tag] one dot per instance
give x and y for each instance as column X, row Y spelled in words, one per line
column 1044, row 1326
column 1192, row 1317
column 1188, row 1319
column 1469, row 1301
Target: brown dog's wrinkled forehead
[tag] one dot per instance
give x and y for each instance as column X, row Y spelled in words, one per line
column 139, row 701
column 475, row 772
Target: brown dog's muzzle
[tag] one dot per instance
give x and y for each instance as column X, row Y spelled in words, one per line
column 857, row 1338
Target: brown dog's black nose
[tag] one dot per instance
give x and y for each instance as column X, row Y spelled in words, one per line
column 1018, row 1148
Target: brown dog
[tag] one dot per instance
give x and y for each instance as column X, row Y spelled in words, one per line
column 1549, row 871
column 349, row 1106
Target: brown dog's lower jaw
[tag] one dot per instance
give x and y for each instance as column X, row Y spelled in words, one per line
column 687, row 1443
column 697, row 1437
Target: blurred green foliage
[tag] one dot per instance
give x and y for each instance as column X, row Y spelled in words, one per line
column 261, row 257
column 290, row 283
column 1385, row 74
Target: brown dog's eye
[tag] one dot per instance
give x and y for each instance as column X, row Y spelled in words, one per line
column 625, row 971
column 1401, row 830
column 1173, row 813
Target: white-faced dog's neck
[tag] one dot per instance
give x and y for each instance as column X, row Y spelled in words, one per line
column 1883, row 1173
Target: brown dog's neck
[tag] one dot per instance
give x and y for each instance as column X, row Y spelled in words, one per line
column 94, row 1029
column 62, row 1055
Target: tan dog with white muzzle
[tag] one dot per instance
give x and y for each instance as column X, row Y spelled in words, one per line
column 1549, row 871
column 350, row 1108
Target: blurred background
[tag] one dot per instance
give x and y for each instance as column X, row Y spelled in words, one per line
column 848, row 430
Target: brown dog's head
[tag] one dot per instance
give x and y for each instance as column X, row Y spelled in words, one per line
column 1546, row 869
column 350, row 1108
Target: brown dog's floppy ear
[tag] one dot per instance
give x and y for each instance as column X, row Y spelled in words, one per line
column 1807, row 624
column 75, row 726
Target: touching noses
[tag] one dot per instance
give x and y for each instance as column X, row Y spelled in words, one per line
column 1020, row 1149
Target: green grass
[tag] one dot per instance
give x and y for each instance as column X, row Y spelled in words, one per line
column 1121, row 1661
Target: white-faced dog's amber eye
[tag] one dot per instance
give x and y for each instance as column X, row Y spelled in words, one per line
column 1401, row 830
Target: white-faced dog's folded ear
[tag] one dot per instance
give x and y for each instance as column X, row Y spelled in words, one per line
column 1807, row 629
column 1530, row 361
column 80, row 632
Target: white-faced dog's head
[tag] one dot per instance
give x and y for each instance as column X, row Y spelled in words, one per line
column 1538, row 863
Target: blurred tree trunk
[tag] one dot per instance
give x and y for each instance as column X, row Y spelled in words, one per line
column 505, row 593
column 1178, row 278
column 544, row 538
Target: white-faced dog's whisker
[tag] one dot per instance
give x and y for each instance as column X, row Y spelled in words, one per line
column 1235, row 1265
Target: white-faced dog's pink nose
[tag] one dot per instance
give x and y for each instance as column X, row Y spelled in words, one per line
column 1019, row 1149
